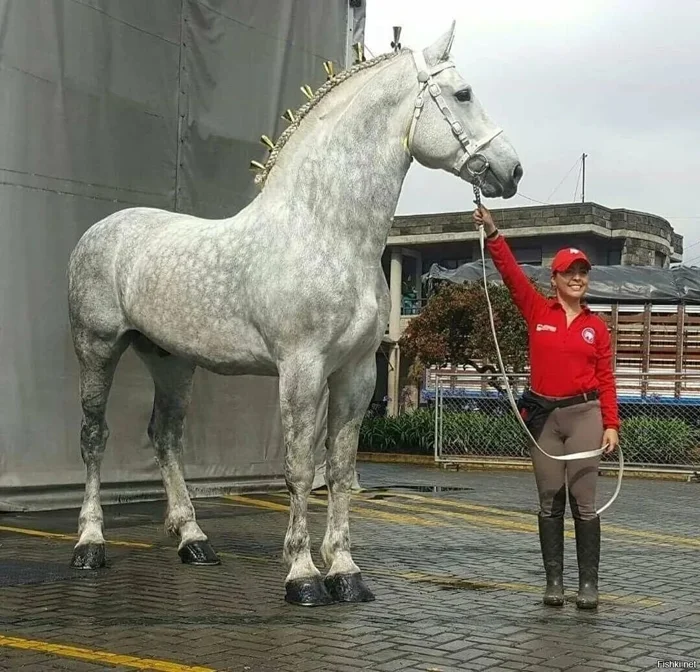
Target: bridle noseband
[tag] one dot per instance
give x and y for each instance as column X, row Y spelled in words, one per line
column 476, row 163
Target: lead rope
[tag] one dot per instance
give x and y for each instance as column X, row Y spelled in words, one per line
column 575, row 456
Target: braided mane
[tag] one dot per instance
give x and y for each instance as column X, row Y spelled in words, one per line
column 326, row 88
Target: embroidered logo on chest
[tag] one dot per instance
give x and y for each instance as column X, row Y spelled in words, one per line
column 588, row 335
column 545, row 327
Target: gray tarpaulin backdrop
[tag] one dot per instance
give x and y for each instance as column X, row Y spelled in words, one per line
column 108, row 104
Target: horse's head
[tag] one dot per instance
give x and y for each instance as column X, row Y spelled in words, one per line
column 450, row 129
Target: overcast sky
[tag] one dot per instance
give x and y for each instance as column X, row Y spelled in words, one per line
column 618, row 80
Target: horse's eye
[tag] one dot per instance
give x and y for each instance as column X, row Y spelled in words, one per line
column 464, row 96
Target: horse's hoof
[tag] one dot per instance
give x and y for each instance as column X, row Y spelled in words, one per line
column 348, row 588
column 88, row 556
column 309, row 592
column 199, row 553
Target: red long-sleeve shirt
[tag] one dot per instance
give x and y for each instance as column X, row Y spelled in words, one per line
column 564, row 361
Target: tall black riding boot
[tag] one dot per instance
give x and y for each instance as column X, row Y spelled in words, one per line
column 552, row 545
column 588, row 555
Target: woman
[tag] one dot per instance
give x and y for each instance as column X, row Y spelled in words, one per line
column 574, row 398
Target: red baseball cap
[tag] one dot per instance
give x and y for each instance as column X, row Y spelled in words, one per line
column 564, row 258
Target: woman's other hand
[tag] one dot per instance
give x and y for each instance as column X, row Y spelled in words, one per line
column 611, row 439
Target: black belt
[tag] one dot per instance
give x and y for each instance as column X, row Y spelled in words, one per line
column 535, row 409
column 567, row 401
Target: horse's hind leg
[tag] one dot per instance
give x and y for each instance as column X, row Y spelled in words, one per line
column 350, row 391
column 173, row 390
column 301, row 389
column 97, row 359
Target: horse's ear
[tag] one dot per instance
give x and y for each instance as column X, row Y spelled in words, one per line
column 440, row 50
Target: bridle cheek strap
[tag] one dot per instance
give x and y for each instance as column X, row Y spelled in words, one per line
column 471, row 147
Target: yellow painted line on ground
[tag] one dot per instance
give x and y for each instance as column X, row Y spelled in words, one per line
column 67, row 537
column 362, row 512
column 97, row 656
column 457, row 582
column 479, row 520
column 134, row 544
column 460, row 505
column 660, row 539
column 618, row 533
column 653, row 538
column 258, row 503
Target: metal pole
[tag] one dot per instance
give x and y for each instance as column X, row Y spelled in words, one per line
column 437, row 440
column 583, row 187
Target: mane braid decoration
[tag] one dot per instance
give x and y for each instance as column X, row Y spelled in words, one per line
column 296, row 118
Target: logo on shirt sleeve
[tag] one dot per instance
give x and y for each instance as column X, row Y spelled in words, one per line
column 588, row 335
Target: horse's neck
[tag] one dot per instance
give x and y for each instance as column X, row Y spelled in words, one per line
column 340, row 174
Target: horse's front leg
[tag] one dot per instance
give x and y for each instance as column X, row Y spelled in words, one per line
column 350, row 390
column 301, row 386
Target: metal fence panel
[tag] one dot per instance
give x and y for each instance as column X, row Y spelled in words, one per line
column 474, row 420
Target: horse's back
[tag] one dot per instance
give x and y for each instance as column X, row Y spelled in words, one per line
column 122, row 226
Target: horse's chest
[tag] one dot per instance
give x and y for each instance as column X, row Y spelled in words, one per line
column 366, row 323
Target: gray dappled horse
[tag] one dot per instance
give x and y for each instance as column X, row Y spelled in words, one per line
column 187, row 292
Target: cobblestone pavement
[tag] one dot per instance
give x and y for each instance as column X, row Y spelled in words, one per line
column 453, row 559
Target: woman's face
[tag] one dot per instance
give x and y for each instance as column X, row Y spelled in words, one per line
column 573, row 282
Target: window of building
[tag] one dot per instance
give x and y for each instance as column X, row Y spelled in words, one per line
column 614, row 257
column 528, row 255
column 453, row 263
column 659, row 259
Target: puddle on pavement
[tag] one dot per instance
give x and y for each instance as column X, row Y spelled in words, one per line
column 393, row 490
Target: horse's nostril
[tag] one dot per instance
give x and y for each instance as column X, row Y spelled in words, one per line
column 517, row 173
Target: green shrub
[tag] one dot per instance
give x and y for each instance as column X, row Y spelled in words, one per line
column 411, row 433
column 476, row 433
column 645, row 439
